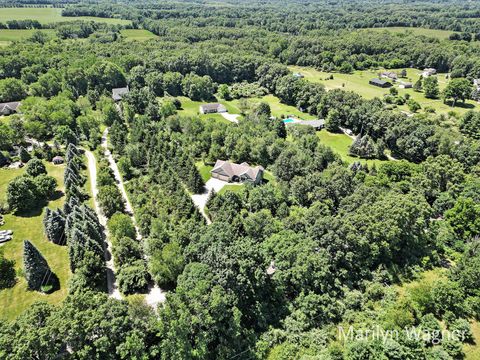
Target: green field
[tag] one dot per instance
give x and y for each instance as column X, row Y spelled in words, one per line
column 7, row 35
column 340, row 143
column 50, row 15
column 358, row 82
column 29, row 226
column 191, row 108
column 439, row 34
column 137, row 34
column 204, row 170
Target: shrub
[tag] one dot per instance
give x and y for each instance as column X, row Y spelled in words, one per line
column 7, row 272
column 35, row 167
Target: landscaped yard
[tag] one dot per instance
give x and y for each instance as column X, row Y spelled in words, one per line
column 204, row 170
column 50, row 15
column 137, row 34
column 8, row 35
column 29, row 226
column 358, row 82
column 340, row 143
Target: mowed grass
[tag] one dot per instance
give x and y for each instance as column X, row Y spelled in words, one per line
column 358, row 82
column 50, row 15
column 434, row 33
column 231, row 187
column 8, row 35
column 340, row 143
column 137, row 34
column 15, row 300
column 204, row 170
column 191, row 108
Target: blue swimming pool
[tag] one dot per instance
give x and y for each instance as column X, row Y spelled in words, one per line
column 288, row 120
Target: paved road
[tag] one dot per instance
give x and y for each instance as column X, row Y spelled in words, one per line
column 111, row 283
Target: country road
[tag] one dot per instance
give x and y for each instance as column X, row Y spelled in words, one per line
column 111, row 283
column 155, row 295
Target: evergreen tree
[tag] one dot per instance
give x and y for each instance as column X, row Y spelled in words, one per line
column 54, row 224
column 71, row 153
column 118, row 136
column 37, row 271
column 24, row 155
column 418, row 85
column 35, row 167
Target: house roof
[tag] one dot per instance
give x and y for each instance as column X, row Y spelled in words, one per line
column 9, row 105
column 379, row 81
column 212, row 106
column 118, row 93
column 232, row 169
column 313, row 123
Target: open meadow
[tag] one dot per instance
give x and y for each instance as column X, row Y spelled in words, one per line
column 435, row 33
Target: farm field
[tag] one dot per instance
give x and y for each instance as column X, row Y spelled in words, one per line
column 137, row 34
column 435, row 33
column 50, row 15
column 358, row 82
column 29, row 226
column 8, row 35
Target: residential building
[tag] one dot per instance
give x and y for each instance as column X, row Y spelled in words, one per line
column 429, row 72
column 118, row 93
column 212, row 108
column 231, row 172
column 9, row 107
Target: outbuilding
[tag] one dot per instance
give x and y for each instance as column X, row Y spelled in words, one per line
column 380, row 83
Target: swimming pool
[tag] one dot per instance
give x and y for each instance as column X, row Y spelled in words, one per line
column 288, row 120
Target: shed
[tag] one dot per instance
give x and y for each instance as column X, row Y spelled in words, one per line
column 380, row 83
column 57, row 160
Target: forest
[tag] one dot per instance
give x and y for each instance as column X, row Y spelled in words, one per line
column 279, row 270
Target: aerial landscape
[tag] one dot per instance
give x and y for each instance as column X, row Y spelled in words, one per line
column 240, row 179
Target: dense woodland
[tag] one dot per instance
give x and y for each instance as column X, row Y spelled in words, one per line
column 342, row 237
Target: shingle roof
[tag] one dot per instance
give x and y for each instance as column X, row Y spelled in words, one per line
column 118, row 93
column 212, row 106
column 9, row 105
column 232, row 169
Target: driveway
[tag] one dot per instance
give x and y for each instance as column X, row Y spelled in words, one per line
column 231, row 117
column 200, row 200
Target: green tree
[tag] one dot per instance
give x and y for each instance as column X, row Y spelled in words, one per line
column 35, row 167
column 37, row 271
column 430, row 87
column 7, row 269
column 12, row 90
column 457, row 89
column 22, row 194
column 111, row 200
column 418, row 84
column 470, row 124
column 24, row 155
column 167, row 264
column 413, row 106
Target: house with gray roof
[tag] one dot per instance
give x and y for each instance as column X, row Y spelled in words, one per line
column 231, row 172
column 9, row 107
column 380, row 83
column 118, row 93
column 212, row 108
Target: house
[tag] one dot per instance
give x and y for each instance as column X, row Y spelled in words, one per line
column 231, row 172
column 380, row 83
column 57, row 160
column 389, row 75
column 405, row 85
column 476, row 82
column 118, row 93
column 9, row 107
column 429, row 72
column 298, row 75
column 318, row 124
column 212, row 108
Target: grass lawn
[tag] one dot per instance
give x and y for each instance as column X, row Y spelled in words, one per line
column 191, row 108
column 358, row 82
column 231, row 187
column 439, row 34
column 340, row 143
column 472, row 352
column 7, row 35
column 137, row 34
column 204, row 170
column 50, row 15
column 29, row 226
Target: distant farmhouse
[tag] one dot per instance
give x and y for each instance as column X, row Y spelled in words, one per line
column 380, row 83
column 212, row 108
column 118, row 93
column 298, row 75
column 9, row 107
column 231, row 172
column 429, row 72
column 389, row 75
column 405, row 85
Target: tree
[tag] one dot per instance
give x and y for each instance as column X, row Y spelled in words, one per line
column 45, row 186
column 470, row 124
column 430, row 87
column 22, row 194
column 7, row 269
column 413, row 106
column 333, row 121
column 37, row 272
column 166, row 265
column 133, row 277
column 111, row 200
column 24, row 155
column 418, row 84
column 121, row 225
column 457, row 89
column 12, row 90
column 198, row 87
column 35, row 167
column 54, row 225
column 224, row 92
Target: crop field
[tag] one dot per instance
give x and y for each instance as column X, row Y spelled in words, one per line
column 358, row 82
column 50, row 15
column 439, row 34
column 8, row 35
column 29, row 227
column 137, row 34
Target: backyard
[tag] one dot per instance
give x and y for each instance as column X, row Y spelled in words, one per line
column 29, row 227
column 358, row 82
